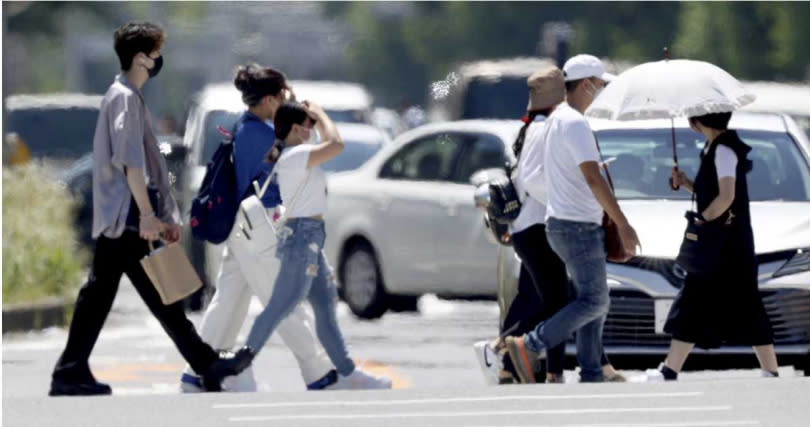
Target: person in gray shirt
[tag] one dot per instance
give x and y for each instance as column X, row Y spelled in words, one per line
column 132, row 205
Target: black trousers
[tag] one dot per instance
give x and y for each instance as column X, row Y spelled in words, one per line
column 112, row 259
column 543, row 290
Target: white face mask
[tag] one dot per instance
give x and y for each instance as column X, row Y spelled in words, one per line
column 313, row 137
column 596, row 92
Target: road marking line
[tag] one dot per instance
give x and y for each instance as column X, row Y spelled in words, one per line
column 136, row 372
column 453, row 400
column 677, row 424
column 381, row 369
column 579, row 411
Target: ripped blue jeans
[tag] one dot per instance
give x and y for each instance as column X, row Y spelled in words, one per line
column 304, row 273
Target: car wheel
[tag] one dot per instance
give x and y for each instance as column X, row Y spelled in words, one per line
column 362, row 285
column 400, row 303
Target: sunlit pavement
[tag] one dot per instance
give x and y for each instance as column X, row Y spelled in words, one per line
column 427, row 354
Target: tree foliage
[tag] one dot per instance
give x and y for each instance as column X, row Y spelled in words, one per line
column 398, row 53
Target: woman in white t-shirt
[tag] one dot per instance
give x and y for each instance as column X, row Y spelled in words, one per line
column 305, row 272
column 542, row 286
column 722, row 306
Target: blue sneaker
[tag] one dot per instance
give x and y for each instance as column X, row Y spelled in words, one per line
column 327, row 380
column 190, row 384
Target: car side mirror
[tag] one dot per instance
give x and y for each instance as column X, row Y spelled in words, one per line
column 486, row 175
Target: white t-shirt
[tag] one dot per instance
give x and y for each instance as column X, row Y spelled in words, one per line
column 530, row 180
column 570, row 143
column 725, row 161
column 303, row 191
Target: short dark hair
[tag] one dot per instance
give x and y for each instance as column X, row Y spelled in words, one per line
column 255, row 82
column 571, row 85
column 717, row 121
column 135, row 37
column 289, row 114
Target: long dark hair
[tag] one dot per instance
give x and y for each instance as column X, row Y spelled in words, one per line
column 517, row 147
column 289, row 114
column 255, row 82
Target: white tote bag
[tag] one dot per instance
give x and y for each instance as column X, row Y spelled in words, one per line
column 254, row 236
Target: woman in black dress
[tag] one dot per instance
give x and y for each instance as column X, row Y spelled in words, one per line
column 723, row 307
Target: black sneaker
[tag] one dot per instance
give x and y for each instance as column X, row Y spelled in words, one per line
column 78, row 388
column 227, row 366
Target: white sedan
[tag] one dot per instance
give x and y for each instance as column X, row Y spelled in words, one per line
column 404, row 223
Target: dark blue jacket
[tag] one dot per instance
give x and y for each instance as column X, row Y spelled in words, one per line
column 252, row 140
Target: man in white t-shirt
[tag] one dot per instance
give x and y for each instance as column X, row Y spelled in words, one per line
column 578, row 196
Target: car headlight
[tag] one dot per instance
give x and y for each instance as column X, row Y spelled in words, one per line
column 674, row 273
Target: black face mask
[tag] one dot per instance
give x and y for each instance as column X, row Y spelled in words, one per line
column 156, row 68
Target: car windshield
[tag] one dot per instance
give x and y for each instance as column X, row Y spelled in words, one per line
column 641, row 159
column 347, row 116
column 353, row 155
column 495, row 98
column 55, row 132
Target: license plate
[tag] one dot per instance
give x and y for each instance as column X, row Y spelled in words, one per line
column 662, row 307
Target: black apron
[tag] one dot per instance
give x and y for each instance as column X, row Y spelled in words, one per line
column 724, row 307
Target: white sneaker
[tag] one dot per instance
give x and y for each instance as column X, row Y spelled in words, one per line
column 244, row 382
column 491, row 364
column 655, row 376
column 361, row 380
column 768, row 374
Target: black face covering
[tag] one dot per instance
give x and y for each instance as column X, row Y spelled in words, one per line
column 156, row 68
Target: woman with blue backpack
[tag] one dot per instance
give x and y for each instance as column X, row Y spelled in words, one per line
column 263, row 91
column 305, row 273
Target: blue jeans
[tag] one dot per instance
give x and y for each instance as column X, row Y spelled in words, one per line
column 304, row 273
column 581, row 246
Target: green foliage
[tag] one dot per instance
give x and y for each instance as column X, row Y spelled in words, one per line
column 41, row 256
column 399, row 52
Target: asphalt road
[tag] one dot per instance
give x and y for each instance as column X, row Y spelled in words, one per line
column 428, row 355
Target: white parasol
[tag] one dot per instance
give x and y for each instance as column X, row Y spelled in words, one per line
column 668, row 89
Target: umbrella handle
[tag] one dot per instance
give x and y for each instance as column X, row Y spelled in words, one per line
column 672, row 183
column 674, row 152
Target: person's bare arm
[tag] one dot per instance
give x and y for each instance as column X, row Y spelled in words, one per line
column 331, row 143
column 150, row 226
column 723, row 201
column 601, row 191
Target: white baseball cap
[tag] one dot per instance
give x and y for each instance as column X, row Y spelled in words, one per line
column 585, row 66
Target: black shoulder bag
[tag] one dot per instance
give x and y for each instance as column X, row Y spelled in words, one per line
column 702, row 242
column 504, row 205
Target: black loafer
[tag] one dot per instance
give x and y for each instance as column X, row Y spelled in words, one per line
column 78, row 388
column 227, row 366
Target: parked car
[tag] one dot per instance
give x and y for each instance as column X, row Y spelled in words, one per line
column 643, row 289
column 57, row 128
column 491, row 88
column 221, row 105
column 387, row 120
column 788, row 98
column 343, row 101
column 403, row 224
column 78, row 178
column 486, row 89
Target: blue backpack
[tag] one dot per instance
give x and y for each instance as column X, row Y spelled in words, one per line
column 213, row 211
